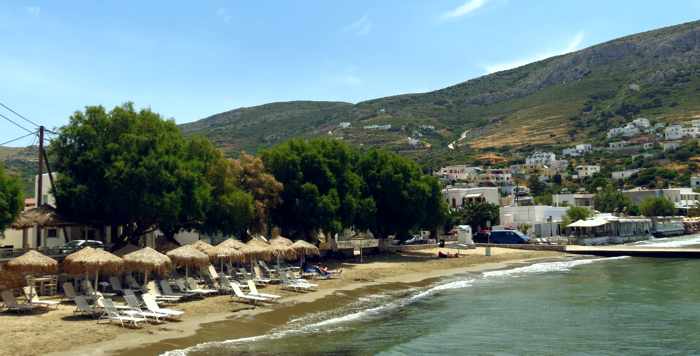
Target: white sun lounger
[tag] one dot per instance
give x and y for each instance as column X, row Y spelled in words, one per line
column 124, row 318
column 116, row 284
column 254, row 291
column 131, row 282
column 87, row 286
column 8, row 299
column 167, row 290
column 247, row 298
column 298, row 285
column 192, row 285
column 70, row 293
column 33, row 299
column 135, row 310
column 152, row 305
column 156, row 293
column 84, row 308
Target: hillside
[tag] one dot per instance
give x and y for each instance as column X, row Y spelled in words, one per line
column 21, row 161
column 550, row 103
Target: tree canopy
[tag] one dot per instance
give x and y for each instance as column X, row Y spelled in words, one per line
column 576, row 213
column 610, row 200
column 477, row 214
column 134, row 169
column 11, row 201
column 658, row 206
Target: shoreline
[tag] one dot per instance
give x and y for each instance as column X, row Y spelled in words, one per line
column 211, row 319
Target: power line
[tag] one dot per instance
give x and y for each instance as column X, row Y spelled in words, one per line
column 16, row 113
column 16, row 124
column 19, row 138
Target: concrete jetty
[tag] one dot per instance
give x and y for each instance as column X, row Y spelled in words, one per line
column 638, row 251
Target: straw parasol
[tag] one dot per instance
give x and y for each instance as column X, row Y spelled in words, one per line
column 44, row 215
column 148, row 260
column 30, row 263
column 202, row 246
column 11, row 280
column 89, row 260
column 188, row 256
column 304, row 249
column 225, row 251
column 282, row 248
column 232, row 243
column 257, row 249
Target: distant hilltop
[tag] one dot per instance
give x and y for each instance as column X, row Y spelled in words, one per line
column 572, row 98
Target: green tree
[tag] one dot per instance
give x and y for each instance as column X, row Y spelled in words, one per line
column 576, row 213
column 610, row 200
column 250, row 174
column 535, row 185
column 11, row 201
column 322, row 189
column 134, row 169
column 659, row 206
column 477, row 214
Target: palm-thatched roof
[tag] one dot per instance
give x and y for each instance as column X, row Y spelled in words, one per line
column 89, row 260
column 188, row 256
column 32, row 262
column 232, row 243
column 305, row 248
column 45, row 216
column 148, row 259
column 128, row 248
column 11, row 280
column 226, row 252
column 257, row 249
column 282, row 248
column 201, row 245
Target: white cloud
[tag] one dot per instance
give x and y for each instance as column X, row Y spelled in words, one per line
column 223, row 14
column 361, row 27
column 571, row 46
column 33, row 10
column 464, row 9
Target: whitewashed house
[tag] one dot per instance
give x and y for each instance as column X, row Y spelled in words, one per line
column 617, row 145
column 620, row 175
column 584, row 171
column 540, row 158
column 460, row 172
column 578, row 150
column 457, row 197
column 673, row 132
column 692, row 132
column 695, row 182
column 670, row 145
column 641, row 122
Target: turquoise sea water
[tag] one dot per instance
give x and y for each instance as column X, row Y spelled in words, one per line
column 589, row 306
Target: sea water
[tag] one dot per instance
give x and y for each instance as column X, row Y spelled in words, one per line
column 584, row 306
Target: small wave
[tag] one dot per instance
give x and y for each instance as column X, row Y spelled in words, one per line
column 543, row 267
column 671, row 242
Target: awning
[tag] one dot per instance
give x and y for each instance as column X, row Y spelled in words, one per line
column 588, row 223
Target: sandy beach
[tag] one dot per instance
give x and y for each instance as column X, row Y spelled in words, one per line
column 59, row 332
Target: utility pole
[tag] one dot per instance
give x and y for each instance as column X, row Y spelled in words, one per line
column 40, row 181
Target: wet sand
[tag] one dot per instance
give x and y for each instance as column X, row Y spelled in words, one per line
column 221, row 318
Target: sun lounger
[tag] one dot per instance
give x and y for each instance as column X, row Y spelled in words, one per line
column 156, row 293
column 134, row 285
column 87, row 287
column 33, row 299
column 260, row 277
column 243, row 274
column 83, row 307
column 134, row 298
column 247, row 298
column 192, row 285
column 70, row 293
column 254, row 291
column 298, row 285
column 152, row 305
column 167, row 290
column 134, row 309
column 125, row 318
column 10, row 302
column 184, row 288
column 116, row 284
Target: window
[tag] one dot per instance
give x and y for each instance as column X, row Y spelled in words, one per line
column 52, row 233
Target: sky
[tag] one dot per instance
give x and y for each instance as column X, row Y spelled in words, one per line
column 191, row 59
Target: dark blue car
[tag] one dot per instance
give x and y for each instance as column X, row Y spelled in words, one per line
column 508, row 237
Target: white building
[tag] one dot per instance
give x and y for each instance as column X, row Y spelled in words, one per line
column 619, row 175
column 695, row 182
column 670, row 145
column 496, row 177
column 460, row 172
column 584, row 171
column 378, row 127
column 513, row 216
column 573, row 199
column 692, row 132
column 456, row 197
column 673, row 132
column 617, row 145
column 641, row 122
column 540, row 158
column 344, row 125
column 578, row 150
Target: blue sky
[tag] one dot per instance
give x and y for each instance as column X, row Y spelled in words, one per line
column 188, row 60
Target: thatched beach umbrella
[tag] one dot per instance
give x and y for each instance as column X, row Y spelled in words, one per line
column 282, row 248
column 201, row 245
column 223, row 252
column 148, row 260
column 11, row 280
column 43, row 216
column 257, row 249
column 90, row 260
column 232, row 243
column 188, row 256
column 30, row 263
column 304, row 249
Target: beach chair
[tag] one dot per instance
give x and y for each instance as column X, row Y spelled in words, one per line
column 270, row 271
column 156, row 293
column 8, row 299
column 167, row 290
column 70, row 293
column 87, row 287
column 192, row 285
column 254, row 291
column 152, row 305
column 130, row 293
column 243, row 274
column 134, row 285
column 260, row 277
column 125, row 318
column 116, row 284
column 33, row 299
column 132, row 308
column 184, row 288
column 84, row 308
column 247, row 298
column 297, row 285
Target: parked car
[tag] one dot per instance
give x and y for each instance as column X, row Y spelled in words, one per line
column 75, row 245
column 416, row 240
column 508, row 237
